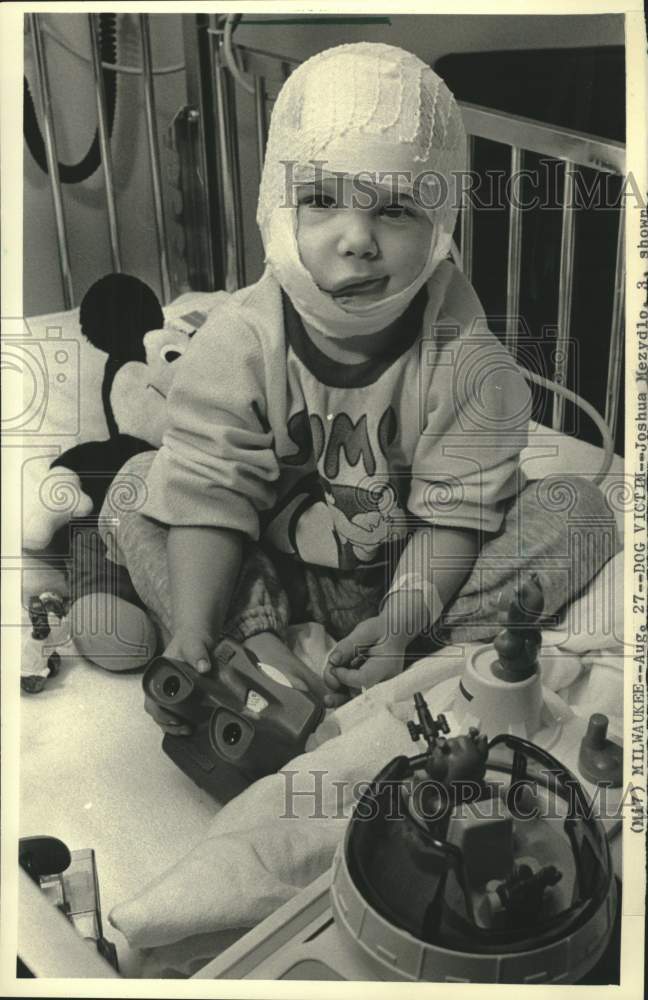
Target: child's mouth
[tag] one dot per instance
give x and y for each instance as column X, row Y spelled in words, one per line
column 367, row 289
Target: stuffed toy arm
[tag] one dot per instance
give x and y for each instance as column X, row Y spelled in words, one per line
column 50, row 498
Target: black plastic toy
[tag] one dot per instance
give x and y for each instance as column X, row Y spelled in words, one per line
column 600, row 760
column 245, row 724
column 474, row 861
column 519, row 643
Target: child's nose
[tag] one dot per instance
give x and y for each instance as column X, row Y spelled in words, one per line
column 357, row 236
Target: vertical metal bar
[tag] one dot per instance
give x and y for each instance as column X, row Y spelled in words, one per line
column 230, row 181
column 260, row 97
column 612, row 392
column 564, row 294
column 514, row 259
column 104, row 143
column 154, row 153
column 467, row 218
column 204, row 260
column 52, row 159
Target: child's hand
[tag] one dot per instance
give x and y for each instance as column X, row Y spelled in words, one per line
column 194, row 647
column 368, row 655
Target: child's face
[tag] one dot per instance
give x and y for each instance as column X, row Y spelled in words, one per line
column 360, row 245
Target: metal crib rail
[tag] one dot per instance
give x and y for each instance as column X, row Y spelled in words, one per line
column 613, row 388
column 514, row 259
column 154, row 156
column 466, row 217
column 565, row 291
column 229, row 173
column 104, row 139
column 40, row 61
column 574, row 149
column 42, row 80
column 267, row 71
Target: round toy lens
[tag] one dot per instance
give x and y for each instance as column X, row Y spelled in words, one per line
column 232, row 733
column 171, row 686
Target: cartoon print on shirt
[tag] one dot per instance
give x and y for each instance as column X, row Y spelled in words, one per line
column 345, row 437
column 333, row 523
column 361, row 536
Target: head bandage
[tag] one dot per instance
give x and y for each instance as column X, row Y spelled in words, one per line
column 361, row 109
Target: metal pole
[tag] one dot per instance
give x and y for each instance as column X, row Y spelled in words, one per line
column 52, row 159
column 151, row 125
column 261, row 118
column 104, row 143
column 616, row 337
column 200, row 190
column 467, row 219
column 564, row 294
column 230, row 190
column 514, row 253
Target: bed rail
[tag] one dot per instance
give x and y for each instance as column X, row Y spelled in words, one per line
column 42, row 79
column 43, row 87
column 574, row 149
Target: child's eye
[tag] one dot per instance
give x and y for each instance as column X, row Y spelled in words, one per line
column 317, row 199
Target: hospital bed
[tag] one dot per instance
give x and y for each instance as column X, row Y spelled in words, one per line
column 91, row 771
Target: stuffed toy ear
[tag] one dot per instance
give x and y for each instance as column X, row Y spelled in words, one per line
column 115, row 314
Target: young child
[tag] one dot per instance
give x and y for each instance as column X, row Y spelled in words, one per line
column 345, row 433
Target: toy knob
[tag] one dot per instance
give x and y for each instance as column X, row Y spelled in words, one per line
column 596, row 731
column 600, row 760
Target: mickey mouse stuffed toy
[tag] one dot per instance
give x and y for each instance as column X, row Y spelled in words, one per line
column 116, row 314
column 120, row 315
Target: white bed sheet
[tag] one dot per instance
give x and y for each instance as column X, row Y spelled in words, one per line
column 92, row 773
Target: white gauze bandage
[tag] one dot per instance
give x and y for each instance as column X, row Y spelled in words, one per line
column 370, row 111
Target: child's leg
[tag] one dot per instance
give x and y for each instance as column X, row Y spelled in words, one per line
column 258, row 613
column 109, row 625
column 138, row 543
column 559, row 527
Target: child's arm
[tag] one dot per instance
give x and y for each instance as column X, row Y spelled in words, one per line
column 434, row 564
column 203, row 568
